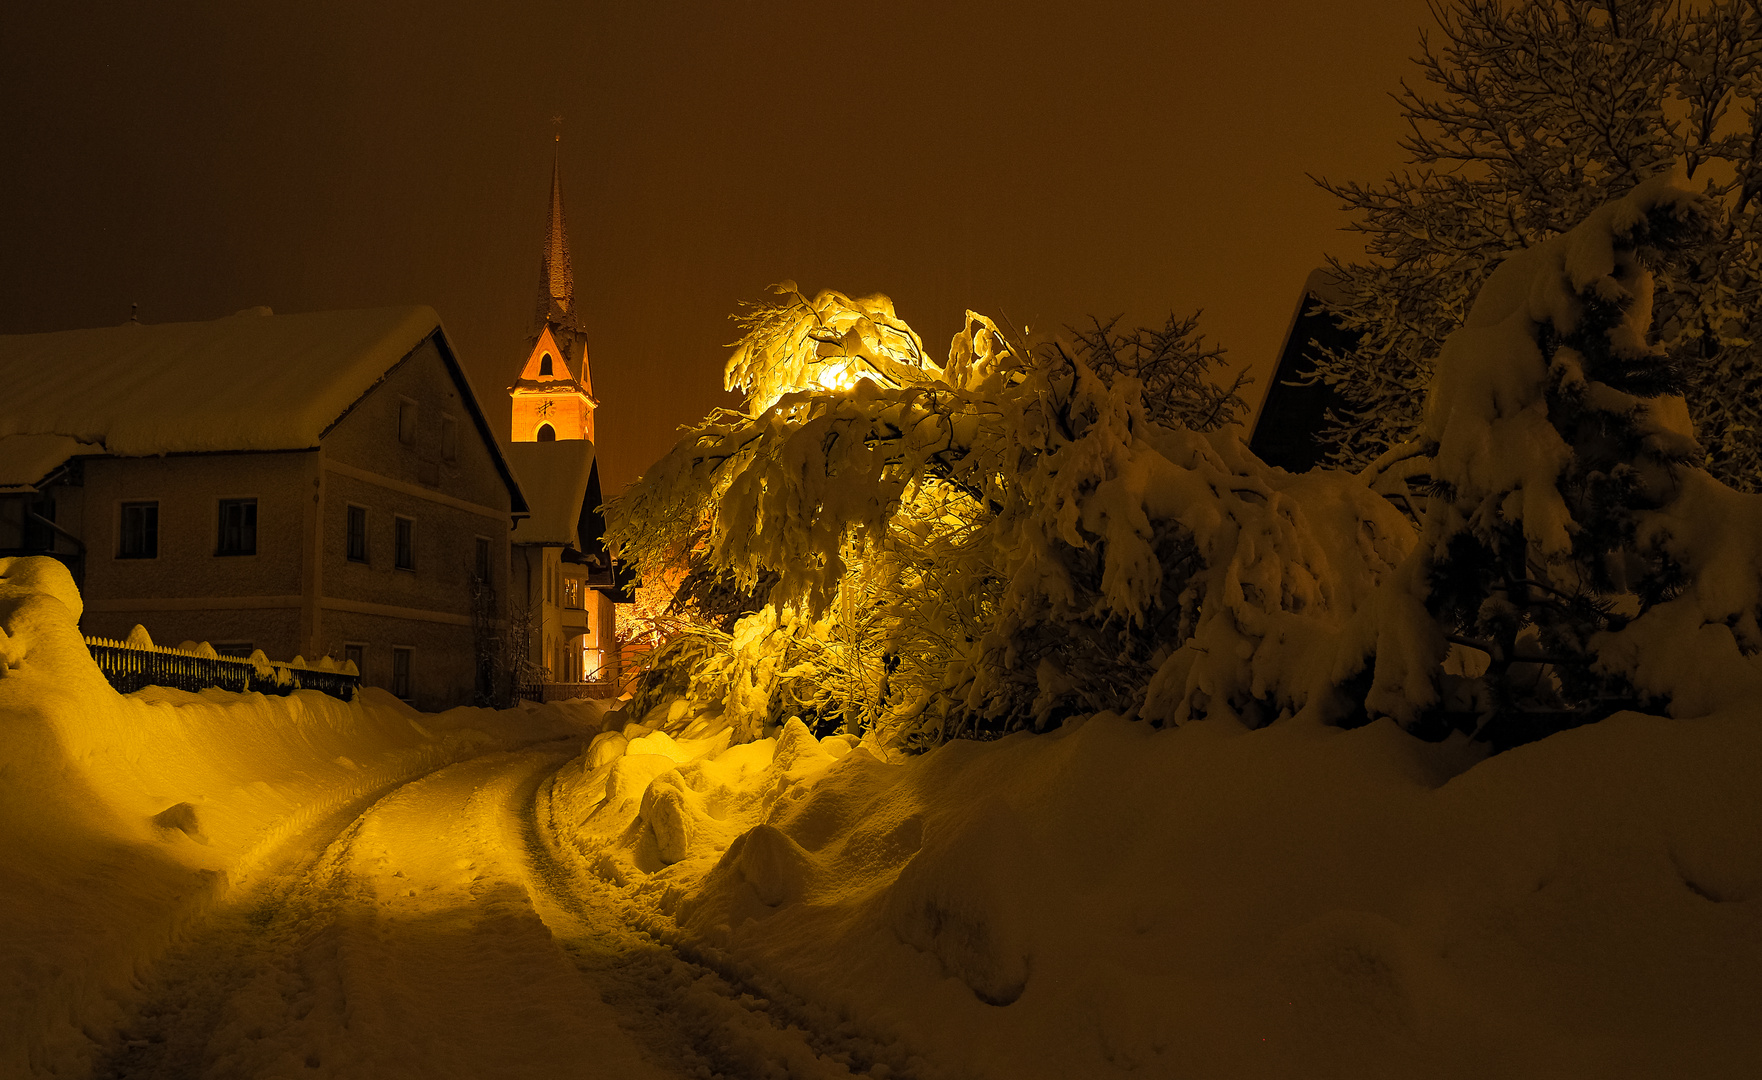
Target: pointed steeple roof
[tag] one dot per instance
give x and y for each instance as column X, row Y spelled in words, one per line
column 556, row 286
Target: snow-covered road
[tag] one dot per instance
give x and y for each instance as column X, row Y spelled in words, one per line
column 431, row 934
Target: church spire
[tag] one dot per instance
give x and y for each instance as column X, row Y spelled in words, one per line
column 556, row 286
column 552, row 398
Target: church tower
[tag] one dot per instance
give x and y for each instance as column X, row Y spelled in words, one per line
column 561, row 578
column 553, row 396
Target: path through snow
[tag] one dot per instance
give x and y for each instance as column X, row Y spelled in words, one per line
column 433, row 936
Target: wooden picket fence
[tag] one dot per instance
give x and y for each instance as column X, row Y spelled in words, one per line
column 129, row 667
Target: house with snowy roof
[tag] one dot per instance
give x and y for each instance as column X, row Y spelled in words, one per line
column 564, row 587
column 1287, row 426
column 317, row 484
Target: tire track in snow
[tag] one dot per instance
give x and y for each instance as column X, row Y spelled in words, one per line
column 439, row 912
column 183, row 995
column 404, row 947
column 735, row 1027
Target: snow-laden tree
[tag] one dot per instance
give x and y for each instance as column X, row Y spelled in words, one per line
column 929, row 550
column 1530, row 116
column 1571, row 545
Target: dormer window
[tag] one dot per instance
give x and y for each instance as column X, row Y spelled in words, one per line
column 544, row 364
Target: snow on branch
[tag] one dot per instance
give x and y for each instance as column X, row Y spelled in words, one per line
column 1524, row 119
column 999, row 541
column 1569, row 534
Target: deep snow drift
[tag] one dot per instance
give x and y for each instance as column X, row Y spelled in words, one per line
column 124, row 818
column 1102, row 900
column 1213, row 901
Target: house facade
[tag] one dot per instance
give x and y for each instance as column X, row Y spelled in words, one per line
column 311, row 485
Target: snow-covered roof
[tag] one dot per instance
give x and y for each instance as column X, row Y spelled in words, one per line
column 1321, row 284
column 27, row 459
column 252, row 381
column 554, row 476
column 1325, row 285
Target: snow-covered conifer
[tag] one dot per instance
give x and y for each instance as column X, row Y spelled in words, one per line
column 1535, row 114
column 1563, row 466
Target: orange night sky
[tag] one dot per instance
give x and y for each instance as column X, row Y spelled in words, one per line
column 1035, row 160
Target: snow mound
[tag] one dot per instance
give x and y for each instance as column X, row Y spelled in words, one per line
column 1208, row 900
column 958, row 901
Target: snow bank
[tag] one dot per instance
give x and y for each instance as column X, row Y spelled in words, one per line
column 1214, row 901
column 122, row 818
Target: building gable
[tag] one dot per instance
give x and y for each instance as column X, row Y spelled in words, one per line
column 561, row 374
column 377, row 434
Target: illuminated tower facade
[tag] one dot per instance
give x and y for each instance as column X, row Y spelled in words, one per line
column 563, row 586
column 553, row 396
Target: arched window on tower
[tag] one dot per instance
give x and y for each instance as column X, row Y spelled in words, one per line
column 544, row 364
column 546, row 433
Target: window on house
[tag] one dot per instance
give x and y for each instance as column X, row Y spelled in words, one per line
column 401, row 673
column 241, row 649
column 140, row 531
column 544, row 364
column 238, row 527
column 571, row 592
column 546, row 433
column 355, row 652
column 407, row 422
column 449, row 439
column 404, row 544
column 480, row 565
column 357, row 534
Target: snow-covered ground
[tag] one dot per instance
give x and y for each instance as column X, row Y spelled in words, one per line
column 1112, row 899
column 406, row 947
column 126, row 820
column 232, row 885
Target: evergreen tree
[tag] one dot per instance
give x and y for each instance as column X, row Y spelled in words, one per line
column 1532, row 116
column 1557, row 441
